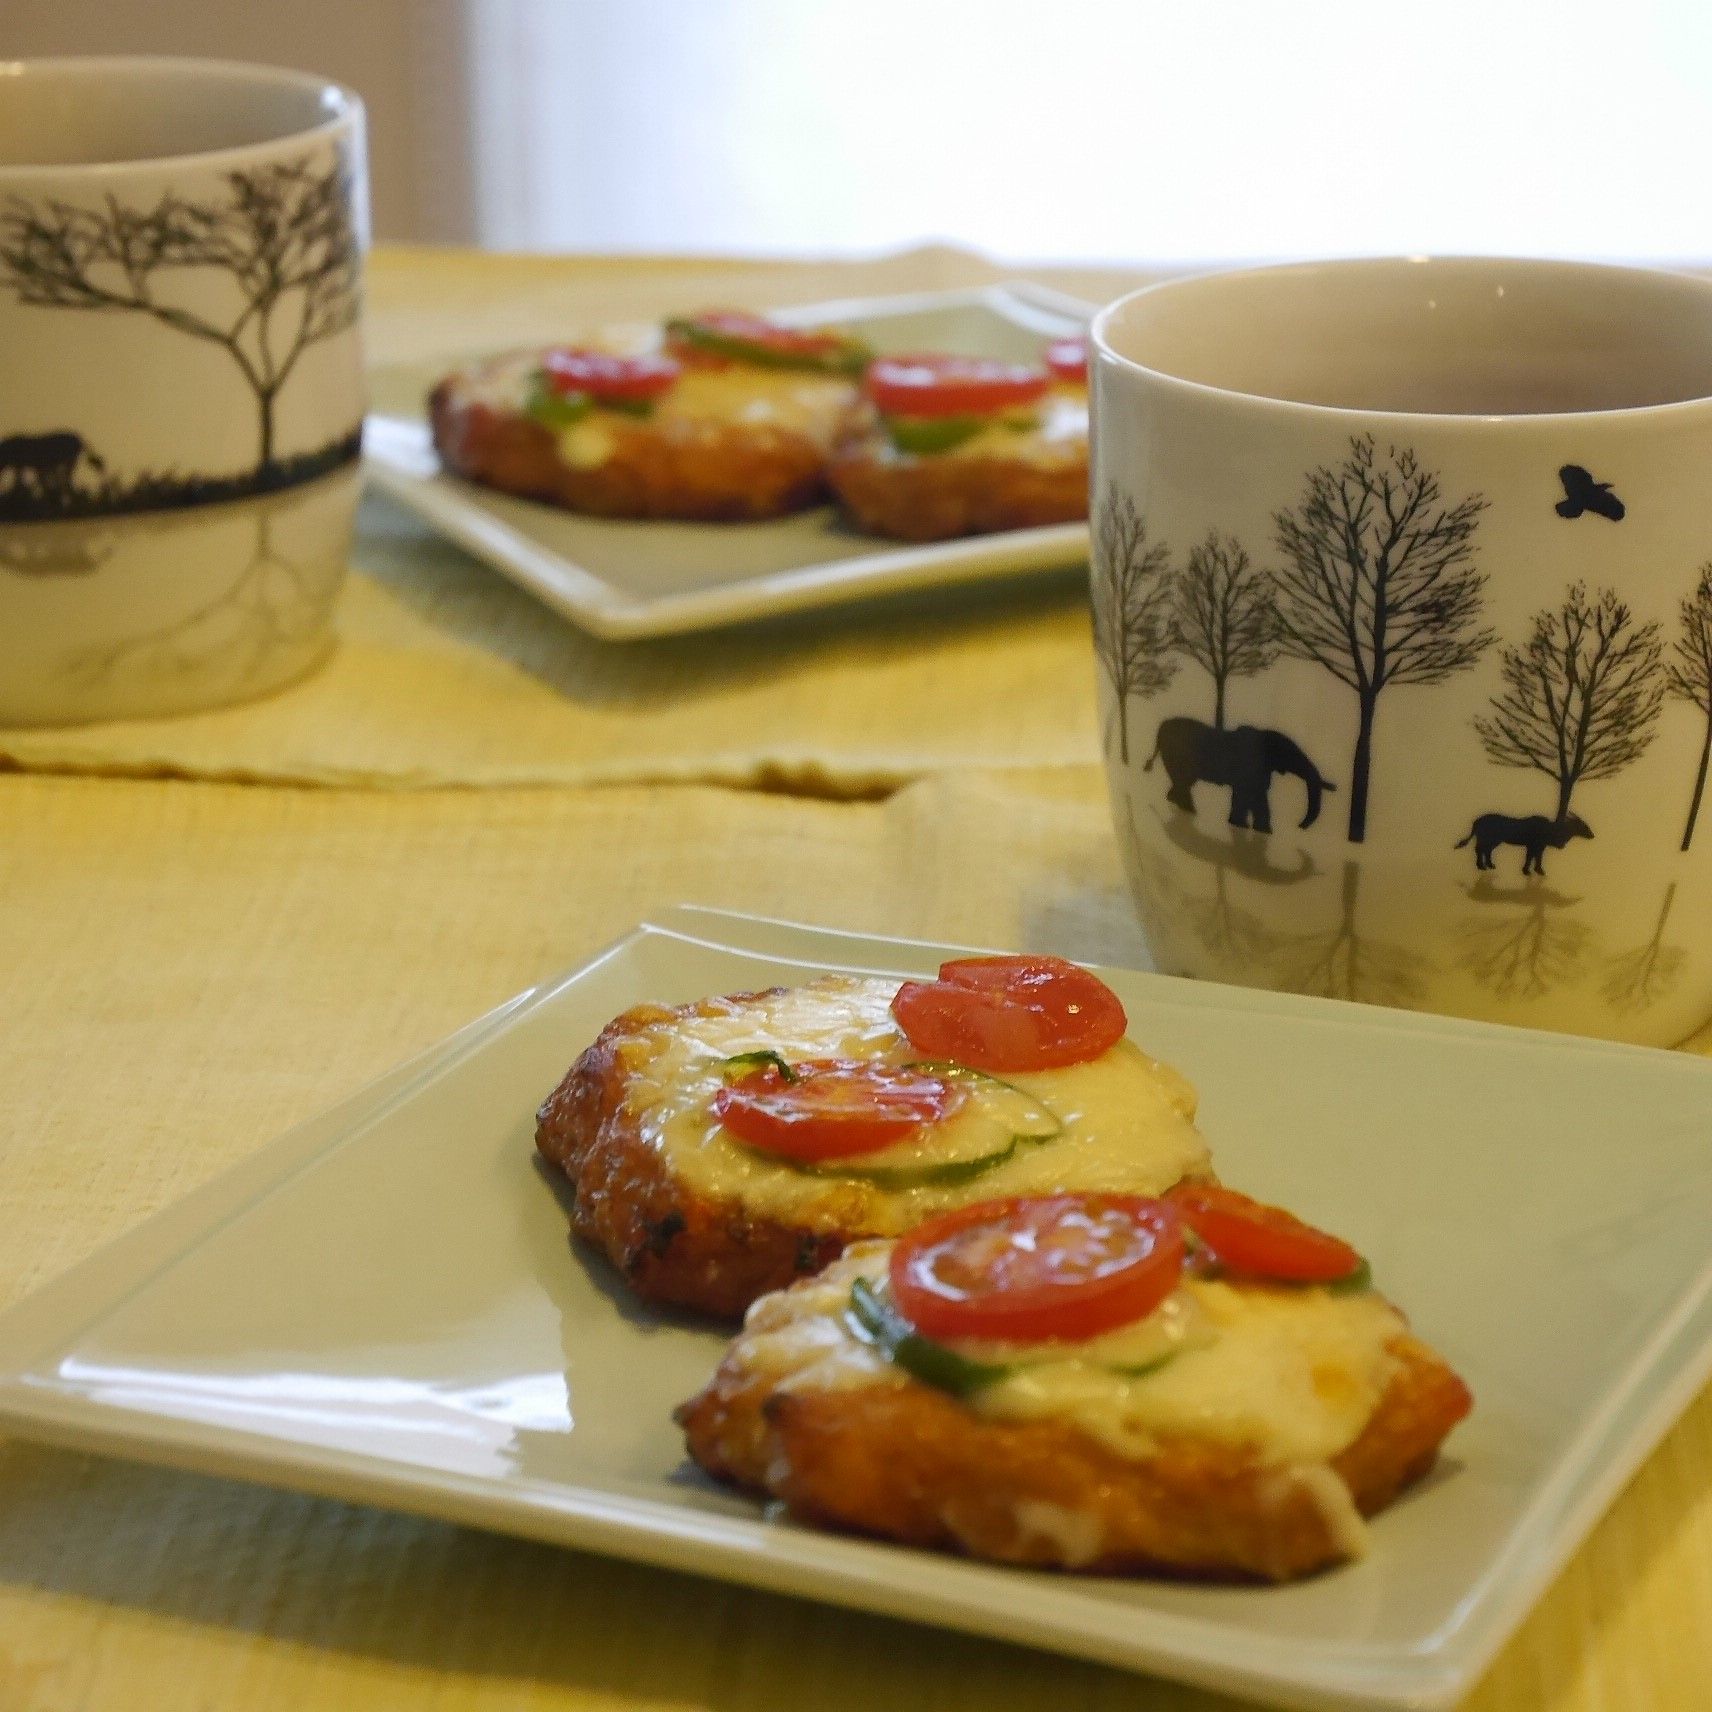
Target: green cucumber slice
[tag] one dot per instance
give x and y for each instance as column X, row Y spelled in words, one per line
column 1141, row 1369
column 936, row 1176
column 1016, row 1119
column 1027, row 1118
column 874, row 1320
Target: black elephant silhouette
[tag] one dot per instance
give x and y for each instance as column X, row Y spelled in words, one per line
column 44, row 463
column 1245, row 759
column 1533, row 832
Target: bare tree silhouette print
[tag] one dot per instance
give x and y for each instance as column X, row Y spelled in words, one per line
column 1637, row 979
column 275, row 604
column 282, row 233
column 1688, row 675
column 1523, row 954
column 1582, row 695
column 1223, row 617
column 1131, row 599
column 1379, row 585
column 1345, row 963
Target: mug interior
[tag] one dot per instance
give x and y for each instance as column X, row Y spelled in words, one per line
column 110, row 112
column 1428, row 336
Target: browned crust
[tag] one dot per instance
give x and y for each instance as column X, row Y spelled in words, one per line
column 671, row 1244
column 937, row 498
column 692, row 471
column 910, row 1463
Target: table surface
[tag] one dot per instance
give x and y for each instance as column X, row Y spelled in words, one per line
column 215, row 926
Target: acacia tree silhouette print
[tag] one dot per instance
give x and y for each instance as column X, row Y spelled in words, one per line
column 281, row 234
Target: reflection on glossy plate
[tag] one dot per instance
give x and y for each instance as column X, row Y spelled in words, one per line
column 382, row 1306
column 623, row 580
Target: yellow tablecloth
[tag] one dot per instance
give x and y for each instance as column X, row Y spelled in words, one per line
column 193, row 964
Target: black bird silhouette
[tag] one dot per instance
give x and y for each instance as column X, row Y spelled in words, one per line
column 1582, row 493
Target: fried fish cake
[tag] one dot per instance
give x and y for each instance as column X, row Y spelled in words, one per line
column 694, row 1215
column 1241, row 1430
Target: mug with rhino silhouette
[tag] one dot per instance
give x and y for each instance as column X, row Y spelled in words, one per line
column 180, row 286
column 1391, row 567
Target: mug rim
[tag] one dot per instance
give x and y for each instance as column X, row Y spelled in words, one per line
column 344, row 110
column 1107, row 354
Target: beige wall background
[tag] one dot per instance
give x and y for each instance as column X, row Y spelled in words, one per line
column 408, row 59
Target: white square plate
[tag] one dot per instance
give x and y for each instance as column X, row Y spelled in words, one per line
column 623, row 580
column 383, row 1306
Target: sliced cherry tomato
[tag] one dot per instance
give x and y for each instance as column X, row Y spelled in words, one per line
column 952, row 386
column 1068, row 359
column 835, row 1107
column 1262, row 1241
column 720, row 336
column 1048, row 1266
column 609, row 379
column 1011, row 1013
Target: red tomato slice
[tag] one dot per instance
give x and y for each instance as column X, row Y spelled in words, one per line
column 1068, row 359
column 952, row 386
column 1011, row 1013
column 836, row 1107
column 611, row 379
column 1262, row 1241
column 1048, row 1266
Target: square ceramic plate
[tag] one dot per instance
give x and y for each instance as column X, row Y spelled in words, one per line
column 383, row 1306
column 623, row 580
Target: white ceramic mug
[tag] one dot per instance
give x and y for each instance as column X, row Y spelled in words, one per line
column 1402, row 585
column 181, row 384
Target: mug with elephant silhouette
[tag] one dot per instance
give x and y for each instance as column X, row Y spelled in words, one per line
column 1382, row 608
column 180, row 288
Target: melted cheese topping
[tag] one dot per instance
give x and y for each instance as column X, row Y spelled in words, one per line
column 1126, row 1120
column 816, row 406
column 1291, row 1374
column 1294, row 1373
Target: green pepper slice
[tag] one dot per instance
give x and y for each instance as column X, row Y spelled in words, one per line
column 741, row 1063
column 1353, row 1283
column 550, row 407
column 924, row 436
column 849, row 357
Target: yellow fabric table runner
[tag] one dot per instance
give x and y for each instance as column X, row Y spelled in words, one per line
column 193, row 965
column 447, row 674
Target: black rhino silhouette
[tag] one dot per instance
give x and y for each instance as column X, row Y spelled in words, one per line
column 1534, row 832
column 1244, row 759
column 45, row 462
